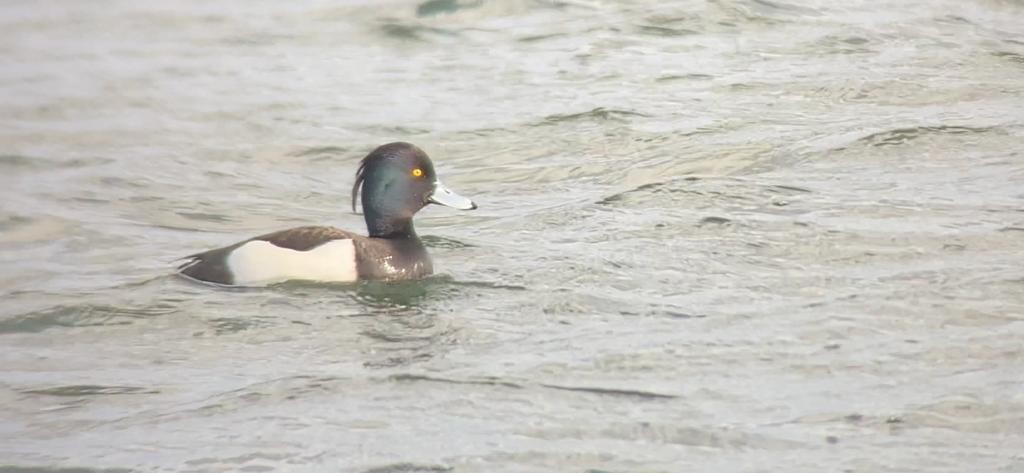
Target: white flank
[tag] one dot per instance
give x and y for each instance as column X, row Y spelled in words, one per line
column 260, row 262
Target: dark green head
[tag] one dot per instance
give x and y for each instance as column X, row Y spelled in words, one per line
column 398, row 180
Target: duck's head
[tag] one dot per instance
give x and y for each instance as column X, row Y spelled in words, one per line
column 398, row 180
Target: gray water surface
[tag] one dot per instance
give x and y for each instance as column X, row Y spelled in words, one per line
column 729, row 236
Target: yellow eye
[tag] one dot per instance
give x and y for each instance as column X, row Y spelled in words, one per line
column 417, row 172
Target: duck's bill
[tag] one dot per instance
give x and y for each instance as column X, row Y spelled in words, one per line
column 444, row 196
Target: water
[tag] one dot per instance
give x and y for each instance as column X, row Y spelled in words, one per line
column 714, row 236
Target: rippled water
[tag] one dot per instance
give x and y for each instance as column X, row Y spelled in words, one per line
column 732, row 235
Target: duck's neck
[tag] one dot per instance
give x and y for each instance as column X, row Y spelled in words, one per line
column 390, row 227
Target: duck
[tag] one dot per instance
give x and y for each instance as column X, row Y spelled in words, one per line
column 397, row 180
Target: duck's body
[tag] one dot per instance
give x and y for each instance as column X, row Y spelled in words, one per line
column 312, row 253
column 396, row 179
